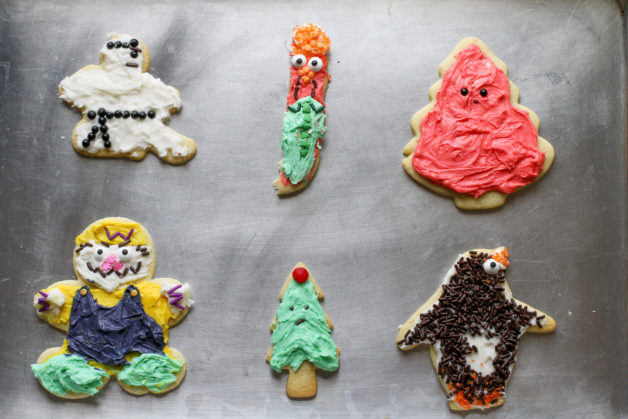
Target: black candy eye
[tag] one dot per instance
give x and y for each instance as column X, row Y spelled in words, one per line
column 133, row 42
column 118, row 44
column 291, row 308
column 125, row 45
column 110, row 45
column 307, row 307
column 493, row 264
column 99, row 251
column 133, row 54
column 483, row 92
column 125, row 252
column 464, row 91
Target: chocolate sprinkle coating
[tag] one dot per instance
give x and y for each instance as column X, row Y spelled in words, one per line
column 473, row 302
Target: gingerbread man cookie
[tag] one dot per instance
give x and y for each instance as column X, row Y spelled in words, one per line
column 124, row 107
column 301, row 335
column 304, row 121
column 116, row 316
column 474, row 142
column 473, row 325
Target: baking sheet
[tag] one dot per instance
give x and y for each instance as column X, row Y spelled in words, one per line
column 377, row 243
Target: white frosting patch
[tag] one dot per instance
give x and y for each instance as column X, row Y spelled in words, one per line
column 185, row 301
column 482, row 360
column 116, row 86
column 91, row 261
column 55, row 299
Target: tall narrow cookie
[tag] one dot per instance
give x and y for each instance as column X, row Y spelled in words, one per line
column 124, row 108
column 473, row 325
column 474, row 142
column 116, row 316
column 301, row 335
column 304, row 121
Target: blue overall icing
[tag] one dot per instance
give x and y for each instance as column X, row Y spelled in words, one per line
column 107, row 334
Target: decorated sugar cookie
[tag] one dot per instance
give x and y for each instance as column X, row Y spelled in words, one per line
column 474, row 142
column 304, row 121
column 301, row 335
column 116, row 316
column 473, row 325
column 124, row 107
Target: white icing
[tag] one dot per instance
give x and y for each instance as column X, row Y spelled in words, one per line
column 55, row 300
column 482, row 360
column 298, row 60
column 115, row 257
column 185, row 289
column 115, row 86
column 315, row 64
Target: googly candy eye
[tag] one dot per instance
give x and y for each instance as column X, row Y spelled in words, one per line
column 298, row 60
column 99, row 253
column 124, row 254
column 315, row 64
column 492, row 267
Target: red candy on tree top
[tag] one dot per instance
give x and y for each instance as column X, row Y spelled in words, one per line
column 300, row 275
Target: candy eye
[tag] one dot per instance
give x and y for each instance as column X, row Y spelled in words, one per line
column 492, row 267
column 298, row 60
column 483, row 93
column 133, row 42
column 291, row 308
column 99, row 254
column 307, row 307
column 315, row 64
column 464, row 91
column 124, row 254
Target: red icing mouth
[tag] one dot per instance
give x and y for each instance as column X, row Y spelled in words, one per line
column 474, row 140
column 299, row 89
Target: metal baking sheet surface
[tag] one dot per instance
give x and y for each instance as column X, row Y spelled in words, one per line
column 377, row 243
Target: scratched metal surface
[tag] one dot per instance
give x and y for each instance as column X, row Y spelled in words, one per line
column 377, row 243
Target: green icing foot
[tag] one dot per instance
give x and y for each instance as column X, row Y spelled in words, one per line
column 152, row 371
column 69, row 373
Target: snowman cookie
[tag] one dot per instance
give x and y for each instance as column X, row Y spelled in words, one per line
column 474, row 142
column 473, row 325
column 304, row 120
column 116, row 316
column 124, row 107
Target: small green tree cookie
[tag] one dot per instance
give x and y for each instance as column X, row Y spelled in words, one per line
column 301, row 335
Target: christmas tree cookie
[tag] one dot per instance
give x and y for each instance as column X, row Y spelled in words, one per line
column 473, row 326
column 301, row 335
column 116, row 316
column 304, row 121
column 124, row 108
column 474, row 142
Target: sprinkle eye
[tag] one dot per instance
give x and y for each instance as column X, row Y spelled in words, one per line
column 298, row 60
column 291, row 308
column 492, row 267
column 99, row 251
column 307, row 307
column 125, row 252
column 315, row 64
column 464, row 91
column 483, row 93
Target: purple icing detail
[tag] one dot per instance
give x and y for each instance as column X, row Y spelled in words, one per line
column 125, row 238
column 45, row 307
column 43, row 293
column 179, row 306
column 41, row 301
column 176, row 299
column 174, row 289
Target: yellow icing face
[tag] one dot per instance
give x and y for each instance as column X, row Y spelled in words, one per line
column 113, row 252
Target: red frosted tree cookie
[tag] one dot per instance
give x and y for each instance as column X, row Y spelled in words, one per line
column 474, row 142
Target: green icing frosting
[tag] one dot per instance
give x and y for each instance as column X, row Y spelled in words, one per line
column 153, row 371
column 69, row 373
column 303, row 125
column 310, row 340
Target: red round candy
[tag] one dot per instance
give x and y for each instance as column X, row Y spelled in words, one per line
column 300, row 275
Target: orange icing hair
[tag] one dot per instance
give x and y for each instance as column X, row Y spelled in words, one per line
column 501, row 256
column 309, row 40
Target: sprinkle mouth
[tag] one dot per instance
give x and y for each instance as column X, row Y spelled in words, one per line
column 132, row 65
column 298, row 322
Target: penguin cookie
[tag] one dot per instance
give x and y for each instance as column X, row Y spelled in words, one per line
column 116, row 316
column 473, row 325
column 124, row 107
column 304, row 120
column 474, row 142
column 301, row 335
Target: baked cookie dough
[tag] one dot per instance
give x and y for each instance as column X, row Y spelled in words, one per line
column 474, row 142
column 116, row 316
column 301, row 335
column 124, row 108
column 304, row 121
column 473, row 326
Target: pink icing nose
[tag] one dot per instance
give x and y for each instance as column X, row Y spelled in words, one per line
column 112, row 261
